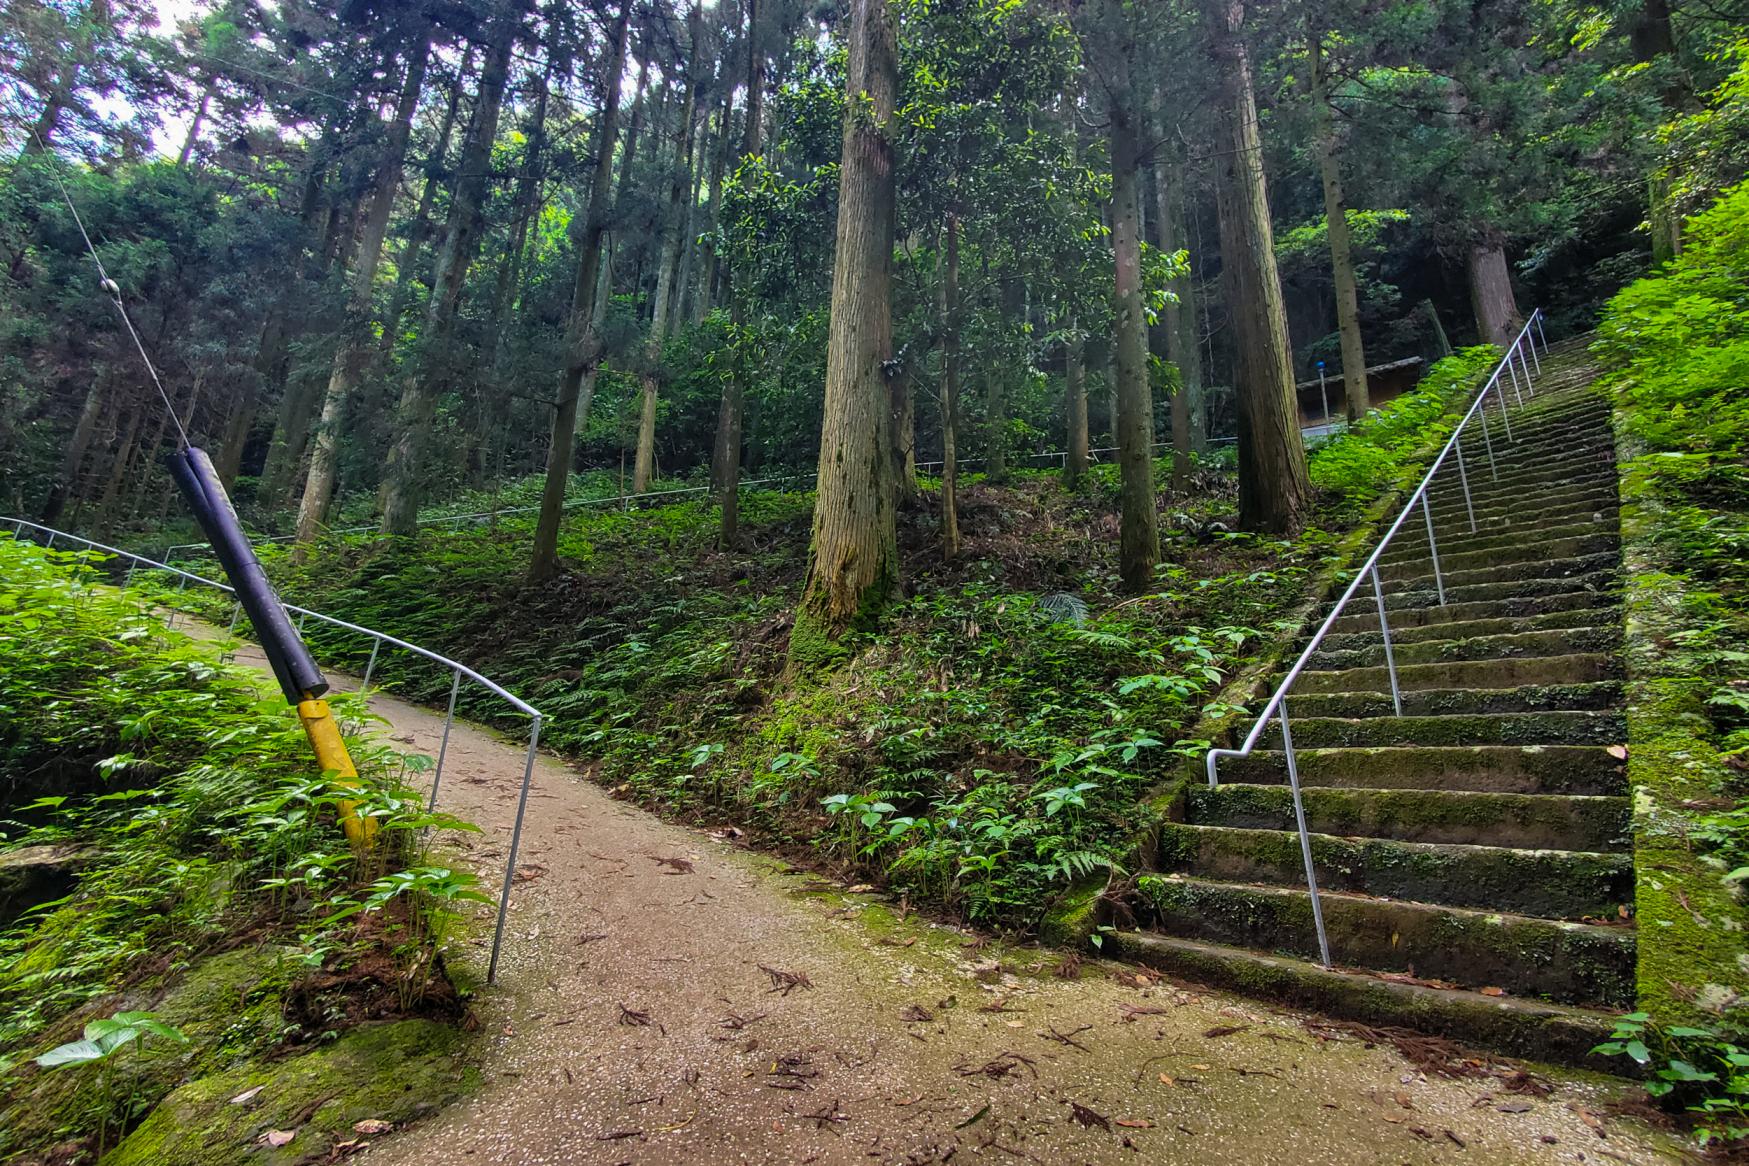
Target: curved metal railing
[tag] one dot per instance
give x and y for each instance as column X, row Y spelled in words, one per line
column 379, row 640
column 1519, row 355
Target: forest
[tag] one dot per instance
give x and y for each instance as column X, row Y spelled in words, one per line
column 894, row 440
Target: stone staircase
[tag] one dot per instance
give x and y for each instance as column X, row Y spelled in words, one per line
column 1475, row 853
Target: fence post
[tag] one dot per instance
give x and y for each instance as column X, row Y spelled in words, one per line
column 1293, row 778
column 443, row 746
column 1432, row 548
column 515, row 841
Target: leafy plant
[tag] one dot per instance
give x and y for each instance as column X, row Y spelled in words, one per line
column 1702, row 1071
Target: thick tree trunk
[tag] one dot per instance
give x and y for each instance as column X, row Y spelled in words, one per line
column 949, row 310
column 1274, row 489
column 582, row 331
column 1341, row 247
column 673, row 236
column 854, row 570
column 355, row 342
column 420, row 394
column 1497, row 316
column 1139, row 532
column 726, row 450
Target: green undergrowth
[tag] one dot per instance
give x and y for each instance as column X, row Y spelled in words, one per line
column 200, row 874
column 1677, row 347
column 983, row 753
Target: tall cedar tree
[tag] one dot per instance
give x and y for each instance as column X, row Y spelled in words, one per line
column 1274, row 488
column 854, row 568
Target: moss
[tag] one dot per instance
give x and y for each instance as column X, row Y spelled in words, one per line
column 1534, row 769
column 1554, row 727
column 395, row 1072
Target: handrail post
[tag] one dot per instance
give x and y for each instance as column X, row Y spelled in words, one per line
column 1293, row 779
column 1504, row 419
column 1530, row 342
column 1378, row 594
column 1513, row 373
column 515, row 841
column 236, row 613
column 376, row 643
column 443, row 746
column 1524, row 363
column 1432, row 547
column 1538, row 317
column 1488, row 443
column 1464, row 477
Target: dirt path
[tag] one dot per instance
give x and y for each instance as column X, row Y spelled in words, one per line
column 636, row 1021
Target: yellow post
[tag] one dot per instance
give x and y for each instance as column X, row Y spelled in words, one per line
column 331, row 753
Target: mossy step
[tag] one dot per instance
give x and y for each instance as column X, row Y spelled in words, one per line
column 1422, row 815
column 1534, row 548
column 1550, row 884
column 1420, row 575
column 1573, row 963
column 1528, row 503
column 1511, row 520
column 1541, row 642
column 1527, row 769
column 1501, row 538
column 1551, row 727
column 1498, row 672
column 1522, row 481
column 1500, row 625
column 1462, row 551
column 1521, row 607
column 1600, row 694
column 1517, row 1027
column 1423, row 594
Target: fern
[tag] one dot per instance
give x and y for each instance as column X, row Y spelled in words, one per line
column 1061, row 607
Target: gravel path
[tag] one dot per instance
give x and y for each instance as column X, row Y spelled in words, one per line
column 666, row 996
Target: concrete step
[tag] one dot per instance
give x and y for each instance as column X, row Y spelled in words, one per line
column 1516, row 672
column 1541, row 642
column 1527, row 607
column 1572, row 963
column 1550, row 727
column 1367, row 634
column 1549, row 884
column 1430, row 702
column 1515, row 1026
column 1470, row 817
column 1487, row 562
column 1420, row 575
column 1511, row 520
column 1501, row 539
column 1525, row 769
column 1422, row 593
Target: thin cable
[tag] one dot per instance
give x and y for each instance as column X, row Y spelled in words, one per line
column 112, row 289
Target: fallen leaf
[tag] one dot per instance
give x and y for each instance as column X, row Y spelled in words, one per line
column 1166, row 1080
column 1513, row 1107
column 974, row 1119
column 248, row 1095
column 1225, row 1030
column 1619, row 752
column 1403, row 1099
column 372, row 1125
column 1135, row 1123
column 1201, row 1068
column 860, row 889
column 278, row 1137
column 1493, row 991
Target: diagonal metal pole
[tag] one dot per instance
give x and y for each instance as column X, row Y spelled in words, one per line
column 443, row 746
column 1464, row 478
column 1378, row 594
column 515, row 842
column 1293, row 779
column 1432, row 548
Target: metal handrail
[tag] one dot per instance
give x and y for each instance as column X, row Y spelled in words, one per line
column 1523, row 350
column 378, row 640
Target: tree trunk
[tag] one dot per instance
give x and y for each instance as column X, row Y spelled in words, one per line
column 1163, row 336
column 67, row 479
column 192, row 138
column 707, row 296
column 1274, row 490
column 1139, row 532
column 948, row 308
column 726, row 450
column 673, row 235
column 581, row 333
column 422, row 389
column 1075, row 405
column 420, row 233
column 1341, row 248
column 355, row 341
column 854, row 570
column 1496, row 308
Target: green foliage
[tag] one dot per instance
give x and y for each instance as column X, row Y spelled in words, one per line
column 1702, row 1071
column 194, row 802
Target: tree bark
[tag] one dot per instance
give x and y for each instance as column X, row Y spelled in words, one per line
column 673, row 236
column 1075, row 405
column 707, row 296
column 1341, row 247
column 1183, row 331
column 67, row 479
column 420, row 233
column 948, row 307
column 1139, row 531
column 581, row 333
column 1274, row 489
column 1497, row 316
column 854, row 569
column 401, row 493
column 726, row 450
column 354, row 350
